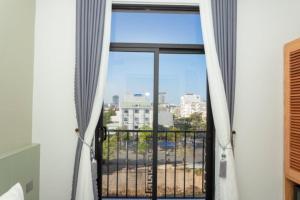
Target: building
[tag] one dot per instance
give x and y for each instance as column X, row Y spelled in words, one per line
column 115, row 101
column 174, row 109
column 165, row 118
column 135, row 112
column 191, row 103
column 162, row 97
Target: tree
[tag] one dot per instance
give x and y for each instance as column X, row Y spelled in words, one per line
column 182, row 123
column 107, row 115
column 171, row 137
column 144, row 140
column 194, row 122
column 109, row 145
column 197, row 121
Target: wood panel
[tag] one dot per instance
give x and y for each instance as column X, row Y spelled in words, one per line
column 289, row 189
column 292, row 117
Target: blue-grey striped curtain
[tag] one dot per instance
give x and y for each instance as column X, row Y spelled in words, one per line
column 89, row 38
column 224, row 18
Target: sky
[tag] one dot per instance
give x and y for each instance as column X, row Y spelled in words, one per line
column 156, row 27
column 132, row 72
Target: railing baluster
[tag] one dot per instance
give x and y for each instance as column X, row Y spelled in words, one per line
column 175, row 162
column 194, row 150
column 166, row 140
column 127, row 138
column 107, row 165
column 145, row 164
column 203, row 164
column 118, row 149
column 184, row 159
column 136, row 163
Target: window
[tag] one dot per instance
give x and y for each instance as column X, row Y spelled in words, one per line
column 157, row 65
column 156, row 27
column 182, row 85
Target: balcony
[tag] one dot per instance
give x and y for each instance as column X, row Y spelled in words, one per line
column 128, row 166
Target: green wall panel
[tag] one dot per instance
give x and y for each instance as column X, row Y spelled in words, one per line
column 21, row 166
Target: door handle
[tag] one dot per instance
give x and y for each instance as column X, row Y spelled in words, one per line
column 104, row 133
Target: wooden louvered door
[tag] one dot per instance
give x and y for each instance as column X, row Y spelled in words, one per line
column 292, row 117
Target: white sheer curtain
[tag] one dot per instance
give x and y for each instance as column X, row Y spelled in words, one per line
column 225, row 188
column 85, row 183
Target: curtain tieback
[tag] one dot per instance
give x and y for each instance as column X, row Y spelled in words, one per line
column 84, row 142
column 223, row 161
column 226, row 146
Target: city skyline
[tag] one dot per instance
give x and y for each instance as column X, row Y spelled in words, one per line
column 136, row 111
column 111, row 102
column 132, row 72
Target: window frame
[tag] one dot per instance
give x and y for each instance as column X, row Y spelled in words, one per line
column 166, row 48
column 154, row 8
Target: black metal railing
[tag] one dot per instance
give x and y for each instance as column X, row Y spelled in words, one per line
column 127, row 163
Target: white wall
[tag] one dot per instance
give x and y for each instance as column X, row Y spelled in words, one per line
column 53, row 108
column 263, row 28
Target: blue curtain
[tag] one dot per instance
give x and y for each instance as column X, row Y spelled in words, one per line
column 89, row 38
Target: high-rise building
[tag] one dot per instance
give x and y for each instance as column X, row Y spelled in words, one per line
column 162, row 97
column 115, row 101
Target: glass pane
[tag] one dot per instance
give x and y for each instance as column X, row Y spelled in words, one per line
column 127, row 150
column 129, row 91
column 137, row 27
column 182, row 122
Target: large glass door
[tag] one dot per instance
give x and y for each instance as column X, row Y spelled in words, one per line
column 181, row 125
column 127, row 126
column 153, row 129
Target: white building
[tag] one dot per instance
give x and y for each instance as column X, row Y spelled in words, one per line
column 191, row 103
column 174, row 109
column 114, row 121
column 165, row 118
column 135, row 112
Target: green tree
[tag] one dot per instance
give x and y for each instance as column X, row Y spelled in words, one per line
column 109, row 145
column 194, row 122
column 197, row 121
column 171, row 134
column 107, row 115
column 144, row 140
column 182, row 123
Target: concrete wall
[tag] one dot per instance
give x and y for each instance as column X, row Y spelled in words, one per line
column 264, row 26
column 16, row 72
